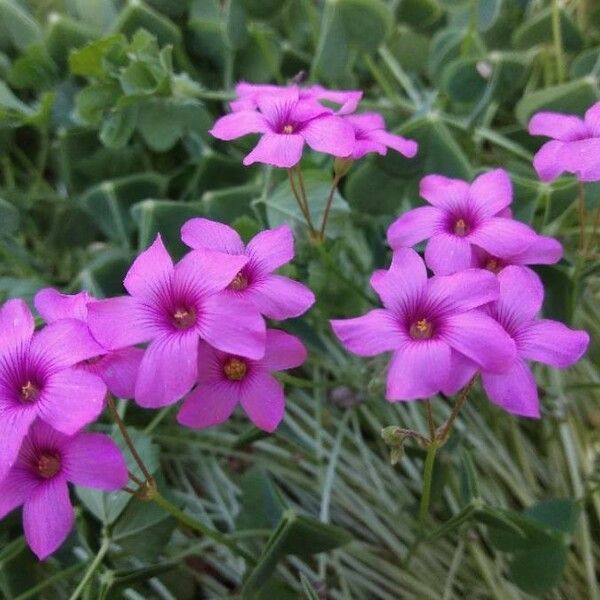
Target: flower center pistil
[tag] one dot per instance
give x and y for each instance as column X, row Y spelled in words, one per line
column 240, row 282
column 235, row 369
column 421, row 330
column 288, row 129
column 184, row 318
column 461, row 228
column 493, row 264
column 29, row 392
column 48, row 465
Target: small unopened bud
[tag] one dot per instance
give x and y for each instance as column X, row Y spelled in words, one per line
column 341, row 166
column 393, row 435
column 396, row 454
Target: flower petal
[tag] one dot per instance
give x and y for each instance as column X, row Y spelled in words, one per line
column 16, row 324
column 592, row 119
column 491, row 192
column 93, row 460
column 582, row 158
column 168, row 370
column 546, row 161
column 461, row 371
column 398, row 143
column 271, row 249
column 234, row 326
column 515, row 391
column 502, row 237
column 552, row 343
column 446, row 253
column 418, row 370
column 480, row 338
column 15, row 488
column 119, row 370
column 558, row 126
column 208, row 405
column 282, row 351
column 521, row 296
column 152, row 267
column 280, row 298
column 376, row 332
column 212, row 235
column 14, row 425
column 542, row 251
column 329, row 134
column 364, row 146
column 48, row 517
column 444, row 192
column 238, row 124
column 263, row 401
column 52, row 305
column 277, row 103
column 414, row 226
column 279, row 150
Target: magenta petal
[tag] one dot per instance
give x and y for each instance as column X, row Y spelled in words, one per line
column 558, row 126
column 48, row 517
column 404, row 283
column 521, row 295
column 277, row 102
column 398, row 143
column 168, row 370
column 444, row 192
column 446, row 254
column 366, row 122
column 263, row 401
column 65, row 343
column 212, row 235
column 414, row 226
column 279, row 150
column 279, row 297
column 365, row 146
column 502, row 237
column 552, row 343
column 93, row 460
column 546, row 161
column 15, row 488
column 16, row 324
column 52, row 305
column 208, row 405
column 581, row 158
column 151, row 267
column 542, row 251
column 271, row 248
column 491, row 192
column 234, row 326
column 283, row 351
column 238, row 124
column 592, row 119
column 411, row 374
column 71, row 399
column 480, row 338
column 376, row 332
column 463, row 290
column 119, row 370
column 515, row 391
column 120, row 322
column 14, row 425
column 329, row 134
column 461, row 371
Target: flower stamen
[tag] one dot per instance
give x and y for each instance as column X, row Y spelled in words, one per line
column 493, row 265
column 240, row 282
column 288, row 129
column 48, row 465
column 461, row 228
column 29, row 392
column 421, row 330
column 235, row 369
column 184, row 318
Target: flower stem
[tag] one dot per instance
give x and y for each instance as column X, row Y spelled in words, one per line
column 336, row 181
column 430, row 421
column 558, row 44
column 299, row 200
column 94, row 566
column 582, row 217
column 427, row 480
column 442, row 435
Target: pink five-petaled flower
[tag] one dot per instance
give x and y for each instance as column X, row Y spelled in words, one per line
column 371, row 136
column 37, row 378
column 117, row 368
column 540, row 340
column 173, row 306
column 424, row 322
column 225, row 379
column 275, row 296
column 575, row 147
column 462, row 216
column 286, row 121
column 47, row 461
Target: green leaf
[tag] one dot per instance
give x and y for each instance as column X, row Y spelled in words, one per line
column 34, row 69
column 231, row 203
column 420, row 14
column 559, row 297
column 103, row 275
column 538, row 30
column 307, row 589
column 262, row 504
column 9, row 217
column 94, row 100
column 118, row 126
column 88, row 61
column 538, row 571
column 559, row 514
column 468, row 477
column 17, row 27
column 136, row 15
column 63, row 35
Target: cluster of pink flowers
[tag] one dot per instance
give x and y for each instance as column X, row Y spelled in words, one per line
column 202, row 323
column 288, row 117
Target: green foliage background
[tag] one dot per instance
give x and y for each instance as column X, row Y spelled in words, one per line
column 104, row 111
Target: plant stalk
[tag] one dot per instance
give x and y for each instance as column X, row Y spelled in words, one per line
column 427, row 480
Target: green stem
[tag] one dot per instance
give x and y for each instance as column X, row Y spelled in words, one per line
column 464, row 394
column 336, row 181
column 303, row 208
column 304, row 197
column 427, row 480
column 94, row 566
column 196, row 525
column 48, row 581
column 558, row 45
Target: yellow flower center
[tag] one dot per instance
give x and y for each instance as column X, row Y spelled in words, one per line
column 235, row 369
column 421, row 330
column 240, row 282
column 48, row 465
column 461, row 228
column 184, row 318
column 288, row 129
column 493, row 265
column 29, row 392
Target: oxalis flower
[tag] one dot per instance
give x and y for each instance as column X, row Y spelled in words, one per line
column 575, row 146
column 224, row 380
column 37, row 378
column 47, row 461
column 172, row 307
column 286, row 121
column 462, row 216
column 540, row 340
column 117, row 368
column 273, row 295
column 425, row 322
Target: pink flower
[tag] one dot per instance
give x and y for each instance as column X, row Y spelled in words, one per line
column 575, row 146
column 424, row 323
column 38, row 481
column 540, row 340
column 462, row 216
column 224, row 380
column 371, row 136
column 117, row 368
column 273, row 295
column 172, row 307
column 286, row 121
column 37, row 378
